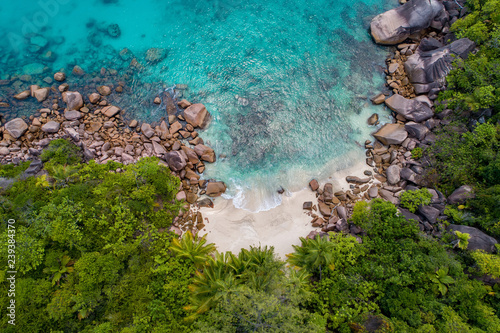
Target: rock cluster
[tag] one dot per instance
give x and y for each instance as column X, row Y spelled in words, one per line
column 396, row 25
column 415, row 74
column 97, row 126
column 334, row 207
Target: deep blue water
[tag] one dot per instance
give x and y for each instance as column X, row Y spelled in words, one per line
column 287, row 82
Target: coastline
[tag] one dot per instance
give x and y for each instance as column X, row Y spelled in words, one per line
column 232, row 229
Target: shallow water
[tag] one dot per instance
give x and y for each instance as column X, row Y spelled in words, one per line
column 287, row 82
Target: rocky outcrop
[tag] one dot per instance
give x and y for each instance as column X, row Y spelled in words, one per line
column 410, row 109
column 51, row 127
column 416, row 130
column 215, row 189
column 392, row 173
column 395, row 25
column 110, row 111
column 197, row 115
column 391, row 134
column 16, row 127
column 175, row 160
column 461, row 195
column 73, row 99
column 429, row 65
column 478, row 239
column 205, row 153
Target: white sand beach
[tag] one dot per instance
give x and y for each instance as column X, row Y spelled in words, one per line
column 232, row 229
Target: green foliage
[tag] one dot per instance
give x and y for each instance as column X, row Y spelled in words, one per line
column 62, row 152
column 13, row 171
column 474, row 83
column 313, row 255
column 417, row 153
column 408, row 278
column 256, row 268
column 487, row 210
column 380, row 220
column 63, row 267
column 413, row 199
column 89, row 248
column 247, row 310
column 462, row 240
column 192, row 248
column 442, row 280
column 251, row 292
column 488, row 263
column 454, row 214
column 468, row 158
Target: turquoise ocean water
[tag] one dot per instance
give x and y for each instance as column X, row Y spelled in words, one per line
column 287, row 82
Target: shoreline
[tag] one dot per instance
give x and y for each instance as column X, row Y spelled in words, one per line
column 232, row 229
column 98, row 127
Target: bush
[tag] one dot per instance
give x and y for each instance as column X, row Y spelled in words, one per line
column 62, row 152
column 412, row 199
column 12, row 171
column 417, row 153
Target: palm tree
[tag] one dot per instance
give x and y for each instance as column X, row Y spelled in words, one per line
column 61, row 174
column 262, row 267
column 215, row 283
column 313, row 254
column 192, row 248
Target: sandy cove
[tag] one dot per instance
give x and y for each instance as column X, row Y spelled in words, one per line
column 232, row 229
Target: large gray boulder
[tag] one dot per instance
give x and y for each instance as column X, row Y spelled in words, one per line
column 16, row 127
column 175, row 160
column 428, row 66
column 478, row 239
column 430, row 213
column 395, row 25
column 391, row 134
column 416, row 130
column 411, row 109
column 73, row 99
column 51, row 127
column 460, row 195
column 392, row 173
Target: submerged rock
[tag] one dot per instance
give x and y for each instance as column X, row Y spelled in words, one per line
column 114, row 30
column 39, row 41
column 155, row 54
column 59, row 76
column 33, row 69
column 22, row 95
